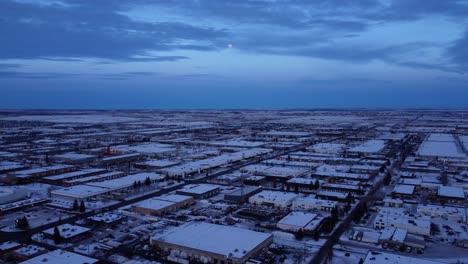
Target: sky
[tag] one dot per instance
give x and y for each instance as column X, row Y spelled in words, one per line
column 231, row 54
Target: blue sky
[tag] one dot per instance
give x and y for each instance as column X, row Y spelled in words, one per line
column 233, row 54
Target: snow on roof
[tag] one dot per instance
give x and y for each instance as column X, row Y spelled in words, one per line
column 115, row 157
column 29, row 250
column 177, row 198
column 338, row 195
column 147, row 148
column 399, row 235
column 387, row 258
column 403, row 189
column 60, row 257
column 198, row 188
column 97, row 177
column 126, row 181
column 73, row 174
column 9, row 244
column 154, row 204
column 448, row 191
column 442, row 145
column 222, row 159
column 80, row 191
column 301, row 201
column 68, row 230
column 159, row 163
column 328, row 147
column 223, row 240
column 106, row 217
column 450, row 210
column 42, row 169
column 370, row 146
column 297, row 219
column 286, row 133
column 272, row 196
column 237, row 143
column 302, row 181
column 74, row 156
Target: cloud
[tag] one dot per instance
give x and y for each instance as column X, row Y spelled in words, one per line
column 458, row 51
column 59, row 75
column 78, row 31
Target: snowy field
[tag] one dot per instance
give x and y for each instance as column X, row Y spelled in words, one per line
column 90, row 119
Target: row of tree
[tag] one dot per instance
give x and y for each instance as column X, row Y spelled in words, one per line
column 81, row 207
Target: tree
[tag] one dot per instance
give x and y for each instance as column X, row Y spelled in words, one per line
column 75, row 205
column 139, row 183
column 316, row 235
column 387, row 178
column 57, row 236
column 361, row 261
column 299, row 234
column 147, row 181
column 25, row 222
column 334, row 214
column 135, row 185
column 296, row 189
column 82, row 207
column 435, row 229
column 443, row 178
column 316, row 184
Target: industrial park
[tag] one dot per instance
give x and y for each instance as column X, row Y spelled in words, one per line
column 234, row 186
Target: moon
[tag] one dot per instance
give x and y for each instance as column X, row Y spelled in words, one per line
column 229, row 46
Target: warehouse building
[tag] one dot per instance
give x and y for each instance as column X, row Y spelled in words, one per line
column 210, row 243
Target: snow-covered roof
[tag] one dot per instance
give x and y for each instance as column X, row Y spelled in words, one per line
column 455, row 192
column 60, row 257
column 198, row 188
column 387, row 258
column 297, row 219
column 370, row 146
column 442, row 145
column 212, row 162
column 223, row 240
column 68, row 230
column 403, row 189
column 80, row 191
column 272, row 196
column 26, row 173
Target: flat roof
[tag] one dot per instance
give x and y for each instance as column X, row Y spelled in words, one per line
column 387, row 258
column 198, row 188
column 448, row 191
column 60, row 257
column 223, row 240
column 68, row 230
column 403, row 189
column 297, row 219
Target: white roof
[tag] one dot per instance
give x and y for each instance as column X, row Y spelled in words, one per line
column 198, row 188
column 297, row 219
column 448, row 191
column 80, row 191
column 126, row 181
column 387, row 258
column 154, row 204
column 272, row 196
column 60, row 257
column 370, row 146
column 68, row 230
column 442, row 145
column 223, row 240
column 403, row 189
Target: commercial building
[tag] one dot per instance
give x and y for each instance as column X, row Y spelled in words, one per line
column 210, row 243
